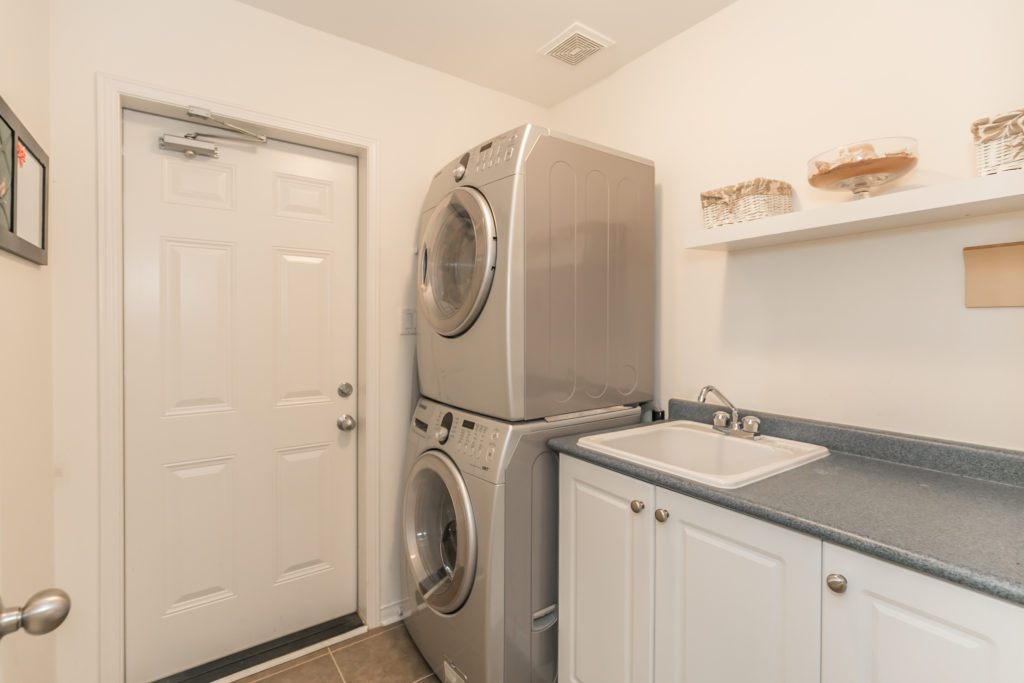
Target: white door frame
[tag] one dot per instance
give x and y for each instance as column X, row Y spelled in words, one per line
column 113, row 95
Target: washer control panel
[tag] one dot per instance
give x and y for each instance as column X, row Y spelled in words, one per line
column 472, row 441
column 476, row 441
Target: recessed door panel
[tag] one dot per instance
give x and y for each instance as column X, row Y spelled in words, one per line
column 198, row 526
column 304, row 198
column 198, row 328
column 302, row 327
column 303, row 511
column 206, row 184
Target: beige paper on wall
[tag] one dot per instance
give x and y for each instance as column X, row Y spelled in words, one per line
column 994, row 275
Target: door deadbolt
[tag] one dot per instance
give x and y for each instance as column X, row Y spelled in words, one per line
column 344, row 390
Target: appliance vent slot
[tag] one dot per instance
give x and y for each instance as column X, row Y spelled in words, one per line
column 575, row 44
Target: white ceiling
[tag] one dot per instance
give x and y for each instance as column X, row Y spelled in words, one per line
column 495, row 44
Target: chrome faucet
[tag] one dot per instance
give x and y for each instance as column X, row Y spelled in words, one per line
column 730, row 424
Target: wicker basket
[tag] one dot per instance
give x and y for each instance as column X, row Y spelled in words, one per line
column 746, row 201
column 999, row 143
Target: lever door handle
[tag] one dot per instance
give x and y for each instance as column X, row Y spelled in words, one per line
column 44, row 611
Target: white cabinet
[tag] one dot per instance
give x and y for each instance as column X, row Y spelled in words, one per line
column 606, row 575
column 706, row 596
column 736, row 599
column 894, row 625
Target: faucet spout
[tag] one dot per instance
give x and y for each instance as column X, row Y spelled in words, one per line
column 702, row 397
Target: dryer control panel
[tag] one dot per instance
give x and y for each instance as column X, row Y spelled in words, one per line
column 496, row 151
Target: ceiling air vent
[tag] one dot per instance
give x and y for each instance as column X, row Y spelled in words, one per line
column 575, row 44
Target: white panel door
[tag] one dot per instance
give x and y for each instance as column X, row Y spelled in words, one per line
column 893, row 625
column 606, row 575
column 240, row 323
column 737, row 597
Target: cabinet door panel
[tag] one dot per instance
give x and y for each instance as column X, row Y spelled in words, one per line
column 893, row 625
column 737, row 597
column 606, row 570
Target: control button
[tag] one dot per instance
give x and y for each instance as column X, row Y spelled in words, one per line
column 441, row 434
column 458, row 172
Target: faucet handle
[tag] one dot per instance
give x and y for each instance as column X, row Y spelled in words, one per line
column 721, row 419
column 750, row 424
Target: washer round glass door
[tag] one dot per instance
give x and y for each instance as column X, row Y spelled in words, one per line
column 457, row 257
column 439, row 531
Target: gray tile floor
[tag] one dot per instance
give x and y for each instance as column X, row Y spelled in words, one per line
column 384, row 655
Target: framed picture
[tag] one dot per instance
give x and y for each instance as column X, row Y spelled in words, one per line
column 23, row 185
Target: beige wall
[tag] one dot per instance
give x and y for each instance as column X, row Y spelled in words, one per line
column 866, row 330
column 230, row 52
column 26, row 453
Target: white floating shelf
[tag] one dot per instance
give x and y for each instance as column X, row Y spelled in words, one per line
column 973, row 197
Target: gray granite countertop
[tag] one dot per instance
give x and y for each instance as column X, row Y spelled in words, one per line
column 882, row 494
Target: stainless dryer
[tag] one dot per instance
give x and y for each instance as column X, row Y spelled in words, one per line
column 536, row 278
column 480, row 534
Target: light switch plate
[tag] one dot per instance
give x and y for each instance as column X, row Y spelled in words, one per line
column 994, row 275
column 408, row 321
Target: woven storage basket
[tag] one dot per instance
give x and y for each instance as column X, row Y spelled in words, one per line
column 999, row 142
column 746, row 201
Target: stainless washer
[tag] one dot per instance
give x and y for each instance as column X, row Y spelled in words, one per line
column 536, row 278
column 480, row 534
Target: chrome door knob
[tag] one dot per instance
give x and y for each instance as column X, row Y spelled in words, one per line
column 346, row 423
column 661, row 514
column 636, row 505
column 44, row 611
column 836, row 583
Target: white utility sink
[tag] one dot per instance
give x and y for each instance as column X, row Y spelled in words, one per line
column 697, row 451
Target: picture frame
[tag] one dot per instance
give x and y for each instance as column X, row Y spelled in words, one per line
column 24, row 176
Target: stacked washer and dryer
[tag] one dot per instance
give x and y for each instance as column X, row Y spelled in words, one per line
column 536, row 319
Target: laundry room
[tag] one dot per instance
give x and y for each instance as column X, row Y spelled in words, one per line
column 217, row 391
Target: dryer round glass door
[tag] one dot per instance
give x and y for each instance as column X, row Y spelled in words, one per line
column 439, row 531
column 457, row 257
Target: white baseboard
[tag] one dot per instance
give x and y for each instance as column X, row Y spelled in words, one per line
column 393, row 611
